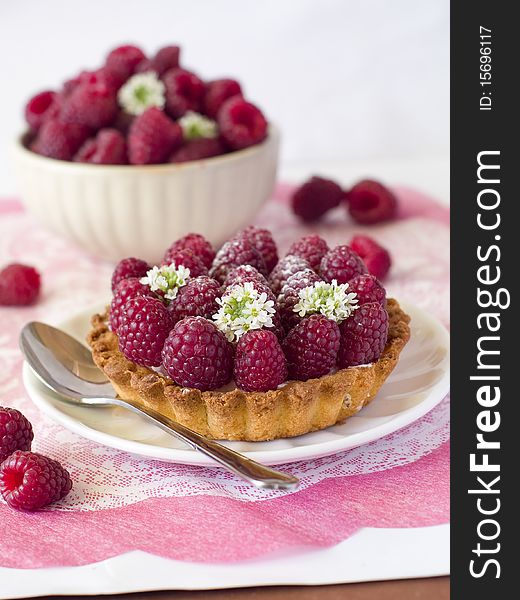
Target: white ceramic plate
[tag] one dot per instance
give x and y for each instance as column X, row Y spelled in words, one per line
column 418, row 383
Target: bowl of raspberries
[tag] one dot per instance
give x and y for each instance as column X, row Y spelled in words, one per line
column 142, row 149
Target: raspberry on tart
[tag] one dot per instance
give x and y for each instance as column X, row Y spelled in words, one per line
column 233, row 254
column 287, row 266
column 342, row 264
column 260, row 364
column 310, row 247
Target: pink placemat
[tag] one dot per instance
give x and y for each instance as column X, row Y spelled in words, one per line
column 121, row 502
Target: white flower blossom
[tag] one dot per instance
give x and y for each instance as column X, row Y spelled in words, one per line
column 242, row 309
column 195, row 125
column 140, row 92
column 167, row 279
column 330, row 299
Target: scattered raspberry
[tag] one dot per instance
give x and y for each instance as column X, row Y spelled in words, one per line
column 196, row 299
column 311, row 347
column 315, row 197
column 310, row 247
column 59, row 140
column 233, row 254
column 243, row 274
column 107, row 148
column 217, row 92
column 198, row 244
column 342, row 264
column 93, row 105
column 143, row 328
column 376, row 258
column 152, row 137
column 15, row 432
column 287, row 266
column 124, row 60
column 368, row 289
column 187, row 259
column 288, row 297
column 370, row 202
column 126, row 289
column 363, row 336
column 129, row 267
column 198, row 149
column 260, row 363
column 29, row 481
column 19, row 285
column 40, row 108
column 262, row 240
column 166, row 58
column 241, row 123
column 197, row 355
column 184, row 92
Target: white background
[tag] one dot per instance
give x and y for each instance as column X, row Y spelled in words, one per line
column 362, row 84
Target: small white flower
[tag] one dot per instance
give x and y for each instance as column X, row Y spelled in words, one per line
column 242, row 309
column 330, row 299
column 195, row 125
column 140, row 92
column 167, row 279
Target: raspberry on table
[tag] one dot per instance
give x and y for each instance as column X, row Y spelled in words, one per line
column 316, row 197
column 289, row 296
column 152, row 137
column 342, row 264
column 310, row 247
column 91, row 104
column 186, row 258
column 124, row 60
column 166, row 58
column 129, row 267
column 287, row 266
column 184, row 92
column 29, row 481
column 260, row 363
column 16, row 432
column 144, row 326
column 126, row 289
column 311, row 347
column 198, row 149
column 262, row 240
column 370, row 202
column 363, row 336
column 198, row 298
column 243, row 274
column 197, row 355
column 376, row 258
column 59, row 140
column 368, row 289
column 198, row 244
column 241, row 123
column 39, row 108
column 234, row 253
column 19, row 285
column 107, row 148
column 217, row 92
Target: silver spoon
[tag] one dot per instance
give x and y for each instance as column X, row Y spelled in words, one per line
column 65, row 366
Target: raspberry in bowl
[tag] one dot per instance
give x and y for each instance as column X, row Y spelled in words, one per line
column 143, row 149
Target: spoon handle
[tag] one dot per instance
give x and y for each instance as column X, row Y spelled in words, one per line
column 253, row 472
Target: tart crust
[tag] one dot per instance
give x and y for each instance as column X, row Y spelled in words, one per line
column 296, row 408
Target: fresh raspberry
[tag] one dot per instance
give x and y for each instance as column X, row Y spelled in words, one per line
column 107, row 148
column 217, row 92
column 29, row 481
column 315, row 197
column 198, row 244
column 143, row 328
column 233, row 254
column 197, row 355
column 368, row 289
column 243, row 274
column 184, row 92
column 40, row 108
column 152, row 137
column 287, row 266
column 262, row 240
column 19, row 285
column 124, row 60
column 310, row 247
column 187, row 259
column 311, row 347
column 241, row 123
column 91, row 104
column 196, row 299
column 145, row 66
column 166, row 58
column 370, row 202
column 260, row 363
column 60, row 140
column 198, row 149
column 341, row 263
column 289, row 296
column 363, row 336
column 15, row 432
column 129, row 267
column 126, row 289
column 376, row 258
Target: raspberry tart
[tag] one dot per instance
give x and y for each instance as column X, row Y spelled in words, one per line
column 241, row 345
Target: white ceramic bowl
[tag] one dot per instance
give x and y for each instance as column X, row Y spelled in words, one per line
column 120, row 211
